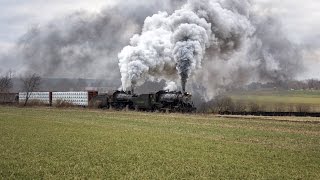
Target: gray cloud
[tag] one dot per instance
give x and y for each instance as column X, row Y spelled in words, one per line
column 300, row 21
column 300, row 18
column 83, row 42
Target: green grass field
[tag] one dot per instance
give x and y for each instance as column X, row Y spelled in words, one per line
column 45, row 143
column 287, row 99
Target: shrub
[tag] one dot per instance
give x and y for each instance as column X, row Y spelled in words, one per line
column 223, row 104
column 95, row 104
column 33, row 103
column 254, row 107
column 63, row 104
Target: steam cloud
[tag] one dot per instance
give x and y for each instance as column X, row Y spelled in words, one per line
column 195, row 45
column 214, row 43
column 168, row 43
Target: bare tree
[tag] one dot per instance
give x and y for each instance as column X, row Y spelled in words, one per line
column 240, row 106
column 303, row 108
column 224, row 104
column 6, row 82
column 279, row 107
column 31, row 83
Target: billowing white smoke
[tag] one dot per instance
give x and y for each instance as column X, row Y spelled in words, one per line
column 171, row 86
column 149, row 54
column 212, row 43
column 190, row 42
column 168, row 45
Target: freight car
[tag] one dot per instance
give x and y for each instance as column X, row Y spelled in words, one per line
column 9, row 98
column 81, row 98
column 40, row 97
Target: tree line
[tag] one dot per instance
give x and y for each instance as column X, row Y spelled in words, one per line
column 225, row 104
column 309, row 84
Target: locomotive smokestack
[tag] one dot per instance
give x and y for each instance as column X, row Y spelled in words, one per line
column 183, row 86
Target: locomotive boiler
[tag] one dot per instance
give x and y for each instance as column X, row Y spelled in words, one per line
column 176, row 101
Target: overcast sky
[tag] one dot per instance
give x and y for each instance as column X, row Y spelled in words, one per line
column 17, row 16
column 301, row 19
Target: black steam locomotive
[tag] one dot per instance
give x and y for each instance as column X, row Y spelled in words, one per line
column 170, row 101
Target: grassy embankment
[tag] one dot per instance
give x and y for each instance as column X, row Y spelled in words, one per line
column 75, row 143
column 284, row 100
